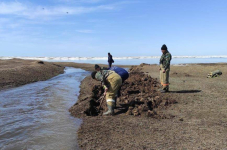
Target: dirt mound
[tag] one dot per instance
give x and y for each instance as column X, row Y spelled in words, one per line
column 139, row 96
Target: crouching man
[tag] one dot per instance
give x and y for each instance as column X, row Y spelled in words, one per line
column 111, row 82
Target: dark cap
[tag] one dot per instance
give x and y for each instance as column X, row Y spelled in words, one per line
column 93, row 74
column 97, row 66
column 164, row 47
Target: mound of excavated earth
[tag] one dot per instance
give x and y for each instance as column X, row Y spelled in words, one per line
column 139, row 96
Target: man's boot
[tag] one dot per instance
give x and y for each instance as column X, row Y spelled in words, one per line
column 110, row 105
column 115, row 103
column 165, row 90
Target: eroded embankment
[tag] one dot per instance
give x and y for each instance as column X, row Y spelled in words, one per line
column 139, row 97
column 195, row 125
column 17, row 72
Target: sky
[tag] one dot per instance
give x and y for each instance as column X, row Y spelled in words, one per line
column 92, row 28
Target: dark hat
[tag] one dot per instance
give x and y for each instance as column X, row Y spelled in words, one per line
column 93, row 74
column 97, row 66
column 164, row 47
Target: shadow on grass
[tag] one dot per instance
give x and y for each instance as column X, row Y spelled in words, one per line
column 186, row 91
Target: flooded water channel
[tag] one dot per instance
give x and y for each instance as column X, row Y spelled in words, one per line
column 35, row 116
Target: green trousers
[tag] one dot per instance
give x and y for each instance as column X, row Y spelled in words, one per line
column 164, row 78
column 114, row 82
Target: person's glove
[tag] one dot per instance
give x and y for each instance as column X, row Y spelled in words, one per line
column 106, row 89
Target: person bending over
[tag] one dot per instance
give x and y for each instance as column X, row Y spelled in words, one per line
column 111, row 82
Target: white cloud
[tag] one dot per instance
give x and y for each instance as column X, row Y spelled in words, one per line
column 81, row 1
column 14, row 25
column 11, row 8
column 31, row 12
column 4, row 20
column 90, row 1
column 85, row 31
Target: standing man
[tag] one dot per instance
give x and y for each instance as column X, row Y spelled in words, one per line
column 165, row 68
column 110, row 60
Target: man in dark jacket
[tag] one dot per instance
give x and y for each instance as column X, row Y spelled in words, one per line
column 120, row 71
column 110, row 60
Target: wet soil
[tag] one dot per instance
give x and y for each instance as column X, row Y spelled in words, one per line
column 139, row 96
column 86, row 66
column 17, row 72
column 197, row 121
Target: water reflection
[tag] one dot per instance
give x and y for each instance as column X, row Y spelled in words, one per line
column 35, row 116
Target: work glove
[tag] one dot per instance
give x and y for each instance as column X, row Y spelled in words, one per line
column 106, row 89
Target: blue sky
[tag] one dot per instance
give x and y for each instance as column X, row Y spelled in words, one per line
column 92, row 28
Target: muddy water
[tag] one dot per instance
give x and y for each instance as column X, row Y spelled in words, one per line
column 35, row 116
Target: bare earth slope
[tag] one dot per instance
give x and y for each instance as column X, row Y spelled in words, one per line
column 16, row 72
column 199, row 122
column 199, row 119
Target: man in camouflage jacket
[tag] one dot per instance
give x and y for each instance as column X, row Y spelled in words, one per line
column 111, row 82
column 165, row 68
